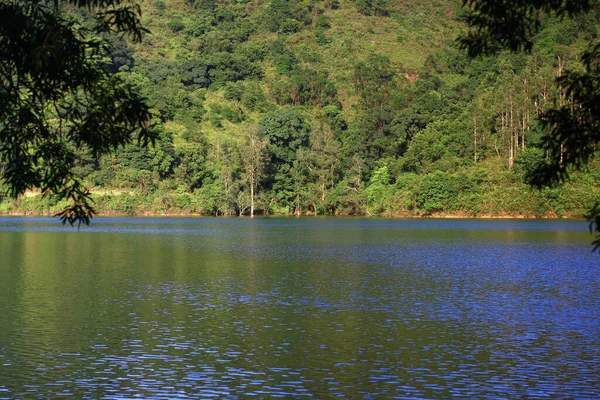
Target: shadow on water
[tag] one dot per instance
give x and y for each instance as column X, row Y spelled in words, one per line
column 283, row 307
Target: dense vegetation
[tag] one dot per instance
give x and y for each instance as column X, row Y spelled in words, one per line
column 58, row 100
column 334, row 107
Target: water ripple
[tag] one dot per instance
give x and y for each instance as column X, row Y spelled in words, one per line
column 181, row 308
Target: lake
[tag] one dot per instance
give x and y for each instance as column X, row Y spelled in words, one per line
column 308, row 307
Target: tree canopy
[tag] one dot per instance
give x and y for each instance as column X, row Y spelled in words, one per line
column 295, row 106
column 572, row 128
column 512, row 24
column 57, row 98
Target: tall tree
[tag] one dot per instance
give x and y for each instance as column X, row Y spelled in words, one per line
column 58, row 99
column 286, row 131
column 572, row 128
column 322, row 162
column 253, row 155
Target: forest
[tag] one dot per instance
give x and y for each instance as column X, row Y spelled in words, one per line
column 333, row 107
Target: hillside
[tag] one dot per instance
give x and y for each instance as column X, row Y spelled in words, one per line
column 333, row 107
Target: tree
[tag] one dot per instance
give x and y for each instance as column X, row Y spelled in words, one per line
column 287, row 131
column 322, row 162
column 59, row 99
column 373, row 7
column 511, row 24
column 253, row 156
column 192, row 170
column 375, row 82
column 223, row 160
column 572, row 129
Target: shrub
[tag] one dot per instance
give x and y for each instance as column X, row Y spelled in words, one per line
column 290, row 25
column 323, row 22
column 176, row 24
column 437, row 192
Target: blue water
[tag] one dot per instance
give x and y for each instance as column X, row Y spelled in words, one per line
column 309, row 307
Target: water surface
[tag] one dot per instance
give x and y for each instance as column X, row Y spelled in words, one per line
column 286, row 307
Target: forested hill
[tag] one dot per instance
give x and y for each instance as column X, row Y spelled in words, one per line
column 334, row 107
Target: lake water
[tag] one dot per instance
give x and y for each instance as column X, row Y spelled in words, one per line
column 285, row 307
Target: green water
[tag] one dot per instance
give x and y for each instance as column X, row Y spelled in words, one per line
column 283, row 307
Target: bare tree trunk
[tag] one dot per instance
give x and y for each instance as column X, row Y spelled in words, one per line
column 526, row 112
column 511, row 151
column 252, row 196
column 562, row 152
column 474, row 139
column 298, row 208
column 524, row 128
column 561, row 96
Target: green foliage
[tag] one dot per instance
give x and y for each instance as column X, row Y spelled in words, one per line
column 142, row 168
column 176, row 24
column 305, row 87
column 47, row 115
column 572, row 130
column 120, row 53
column 290, row 25
column 278, row 12
column 529, row 161
column 438, row 147
column 254, row 98
column 286, row 130
column 199, row 25
column 373, row 7
column 191, row 170
column 334, row 117
column 375, row 81
column 215, row 70
column 323, row 22
column 380, row 192
column 511, row 24
column 287, row 105
column 321, row 38
column 234, row 90
column 437, row 192
column 285, row 59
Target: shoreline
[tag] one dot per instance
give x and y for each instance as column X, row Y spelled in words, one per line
column 386, row 216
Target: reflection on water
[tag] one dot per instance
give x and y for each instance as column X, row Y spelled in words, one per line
column 354, row 308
